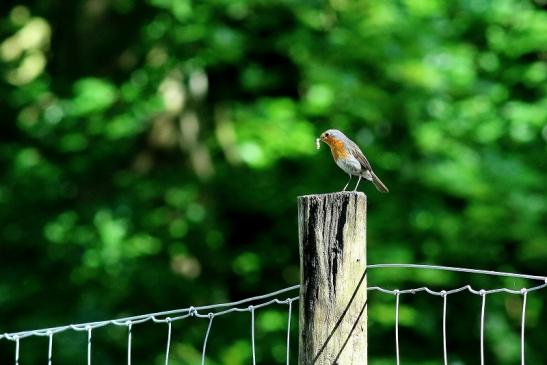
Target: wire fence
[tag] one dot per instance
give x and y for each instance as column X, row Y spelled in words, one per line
column 290, row 295
column 445, row 293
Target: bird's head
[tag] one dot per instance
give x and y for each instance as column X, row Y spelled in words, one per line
column 330, row 136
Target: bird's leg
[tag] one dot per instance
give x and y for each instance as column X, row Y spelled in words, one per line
column 347, row 183
column 358, row 181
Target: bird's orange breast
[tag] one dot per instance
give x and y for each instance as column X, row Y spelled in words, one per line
column 338, row 149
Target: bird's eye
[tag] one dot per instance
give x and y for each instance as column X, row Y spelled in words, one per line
column 327, row 134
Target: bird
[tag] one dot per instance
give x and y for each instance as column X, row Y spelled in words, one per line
column 349, row 157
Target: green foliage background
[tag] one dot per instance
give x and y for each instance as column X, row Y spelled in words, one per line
column 152, row 152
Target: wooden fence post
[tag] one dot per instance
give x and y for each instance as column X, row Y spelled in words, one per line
column 333, row 293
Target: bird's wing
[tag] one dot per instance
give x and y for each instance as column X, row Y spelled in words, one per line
column 356, row 152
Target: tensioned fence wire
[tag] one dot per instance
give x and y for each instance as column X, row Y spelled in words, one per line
column 213, row 311
column 445, row 293
column 166, row 317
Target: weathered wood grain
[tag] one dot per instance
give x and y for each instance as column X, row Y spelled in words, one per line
column 333, row 294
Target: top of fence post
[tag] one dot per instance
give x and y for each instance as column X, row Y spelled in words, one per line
column 333, row 294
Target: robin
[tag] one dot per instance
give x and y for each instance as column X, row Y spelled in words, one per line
column 348, row 157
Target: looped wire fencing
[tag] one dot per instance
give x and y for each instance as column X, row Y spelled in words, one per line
column 466, row 288
column 167, row 317
column 213, row 311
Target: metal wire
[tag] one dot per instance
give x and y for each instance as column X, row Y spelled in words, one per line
column 152, row 316
column 211, row 316
column 252, row 309
column 89, row 329
column 168, row 340
column 453, row 291
column 397, row 296
column 445, row 352
column 482, row 325
column 17, row 351
column 522, row 326
column 458, row 269
column 129, row 327
column 50, row 348
column 179, row 314
column 289, row 331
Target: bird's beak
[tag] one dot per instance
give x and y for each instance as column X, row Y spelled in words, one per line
column 321, row 138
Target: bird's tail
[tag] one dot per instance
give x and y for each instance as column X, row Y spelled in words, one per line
column 379, row 184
